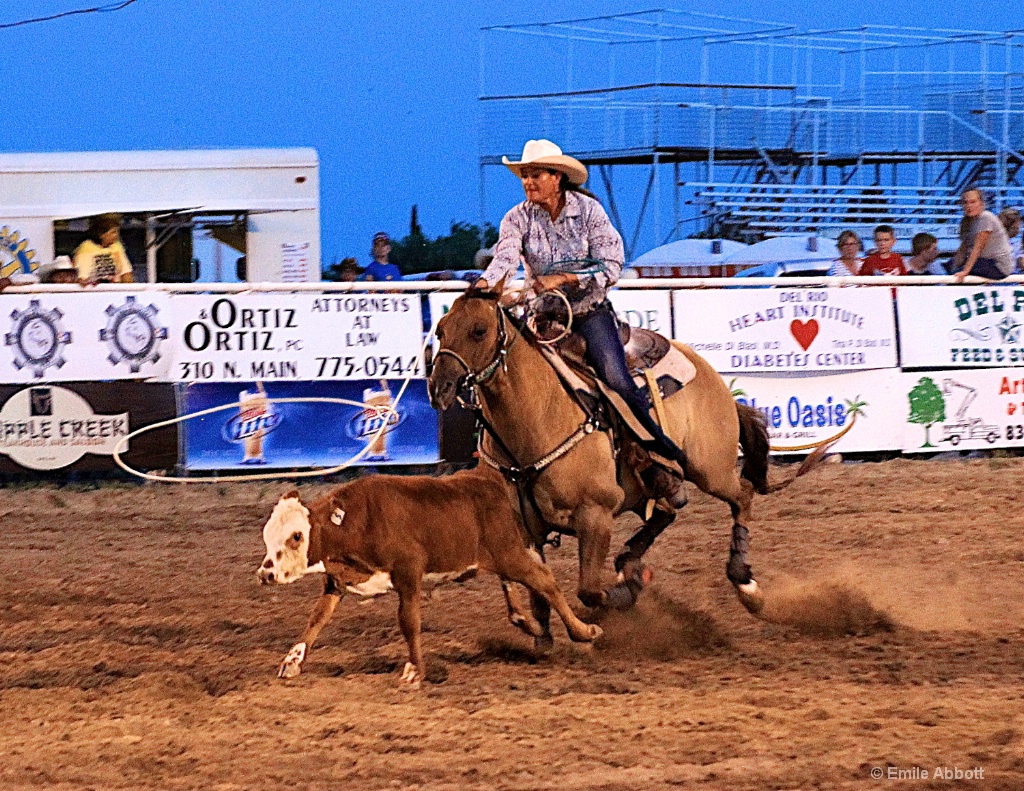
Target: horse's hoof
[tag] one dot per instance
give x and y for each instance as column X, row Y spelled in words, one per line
column 596, row 632
column 544, row 644
column 411, row 678
column 751, row 597
column 289, row 670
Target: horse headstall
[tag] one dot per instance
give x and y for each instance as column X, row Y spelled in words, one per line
column 472, row 379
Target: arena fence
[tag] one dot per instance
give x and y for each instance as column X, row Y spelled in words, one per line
column 911, row 364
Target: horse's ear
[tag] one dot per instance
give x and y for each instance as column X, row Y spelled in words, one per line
column 499, row 287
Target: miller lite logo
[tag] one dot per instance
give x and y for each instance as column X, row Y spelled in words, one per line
column 367, row 422
column 252, row 422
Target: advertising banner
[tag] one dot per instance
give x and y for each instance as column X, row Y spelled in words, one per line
column 860, row 409
column 265, row 337
column 961, row 326
column 77, row 426
column 25, row 244
column 962, row 410
column 61, row 337
column 760, row 330
column 262, row 433
column 651, row 310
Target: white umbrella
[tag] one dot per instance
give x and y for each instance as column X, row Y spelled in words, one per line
column 784, row 249
column 686, row 258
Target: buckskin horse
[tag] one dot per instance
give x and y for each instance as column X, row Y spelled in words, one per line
column 571, row 467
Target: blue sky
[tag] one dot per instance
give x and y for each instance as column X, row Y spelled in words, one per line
column 385, row 91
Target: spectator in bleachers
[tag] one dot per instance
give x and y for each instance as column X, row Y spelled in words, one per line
column 61, row 271
column 350, row 270
column 926, row 254
column 984, row 245
column 849, row 261
column 884, row 261
column 101, row 258
column 1010, row 218
column 380, row 268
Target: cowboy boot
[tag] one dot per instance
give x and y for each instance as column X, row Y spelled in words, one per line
column 662, row 484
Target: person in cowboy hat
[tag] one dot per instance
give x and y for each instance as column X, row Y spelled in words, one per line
column 562, row 222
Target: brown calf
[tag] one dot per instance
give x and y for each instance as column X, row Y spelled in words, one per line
column 403, row 529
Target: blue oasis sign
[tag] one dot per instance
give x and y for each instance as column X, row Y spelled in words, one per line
column 262, row 432
column 859, row 411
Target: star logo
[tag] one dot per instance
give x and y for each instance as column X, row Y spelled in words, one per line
column 1009, row 330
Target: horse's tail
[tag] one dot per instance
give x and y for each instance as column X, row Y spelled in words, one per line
column 754, row 442
column 805, row 467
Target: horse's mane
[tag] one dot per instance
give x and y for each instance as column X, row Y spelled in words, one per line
column 481, row 293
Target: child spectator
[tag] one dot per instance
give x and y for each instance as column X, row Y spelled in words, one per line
column 380, row 268
column 925, row 258
column 101, row 258
column 884, row 261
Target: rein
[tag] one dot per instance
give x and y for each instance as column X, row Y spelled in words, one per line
column 524, row 477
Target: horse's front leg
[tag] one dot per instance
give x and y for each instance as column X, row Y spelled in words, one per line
column 593, row 526
column 638, row 544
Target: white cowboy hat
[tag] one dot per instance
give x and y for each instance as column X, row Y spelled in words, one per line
column 544, row 153
column 59, row 263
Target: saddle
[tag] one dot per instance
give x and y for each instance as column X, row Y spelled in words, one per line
column 652, row 360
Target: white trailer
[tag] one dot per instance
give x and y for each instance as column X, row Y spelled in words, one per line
column 210, row 216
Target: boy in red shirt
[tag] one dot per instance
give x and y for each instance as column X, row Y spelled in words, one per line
column 884, row 261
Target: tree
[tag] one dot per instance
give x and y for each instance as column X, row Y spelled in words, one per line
column 418, row 253
column 927, row 406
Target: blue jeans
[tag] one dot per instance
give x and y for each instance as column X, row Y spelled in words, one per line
column 986, row 267
column 599, row 327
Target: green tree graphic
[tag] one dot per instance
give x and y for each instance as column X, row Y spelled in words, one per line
column 927, row 406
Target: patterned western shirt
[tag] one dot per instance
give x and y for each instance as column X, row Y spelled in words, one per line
column 582, row 231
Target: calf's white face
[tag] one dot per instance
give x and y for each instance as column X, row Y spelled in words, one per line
column 286, row 536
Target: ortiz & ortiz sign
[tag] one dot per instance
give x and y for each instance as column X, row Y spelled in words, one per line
column 302, row 337
column 771, row 330
column 961, row 326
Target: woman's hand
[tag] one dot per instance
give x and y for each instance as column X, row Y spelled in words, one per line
column 551, row 282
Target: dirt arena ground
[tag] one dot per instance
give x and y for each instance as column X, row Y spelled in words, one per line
column 138, row 651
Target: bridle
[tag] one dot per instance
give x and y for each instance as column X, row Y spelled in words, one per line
column 472, row 379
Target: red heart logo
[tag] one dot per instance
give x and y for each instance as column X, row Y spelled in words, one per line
column 804, row 331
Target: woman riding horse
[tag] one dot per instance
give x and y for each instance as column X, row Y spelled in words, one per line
column 560, row 221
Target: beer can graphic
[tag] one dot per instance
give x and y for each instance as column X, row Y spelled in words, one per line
column 255, row 419
column 377, row 414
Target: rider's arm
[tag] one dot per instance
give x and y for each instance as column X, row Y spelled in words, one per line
column 509, row 249
column 605, row 247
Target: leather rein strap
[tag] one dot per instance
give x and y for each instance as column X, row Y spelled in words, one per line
column 524, row 477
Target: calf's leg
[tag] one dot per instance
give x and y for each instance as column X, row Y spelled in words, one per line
column 408, row 587
column 517, row 614
column 526, row 567
column 322, row 612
